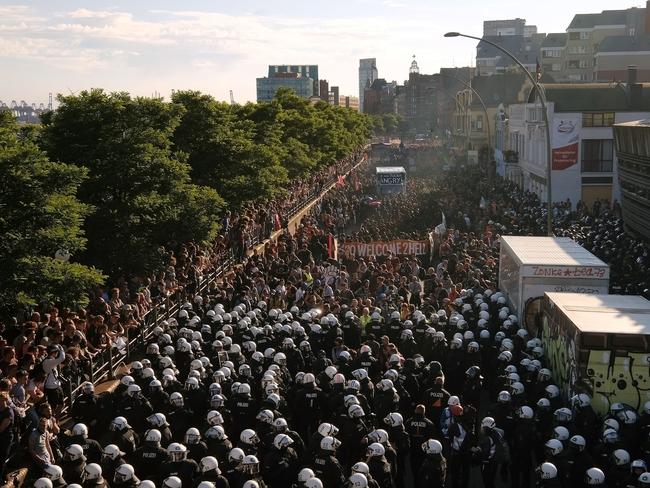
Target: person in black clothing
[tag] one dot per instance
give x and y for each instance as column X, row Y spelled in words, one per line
column 432, row 472
column 419, row 429
column 148, row 458
column 209, row 471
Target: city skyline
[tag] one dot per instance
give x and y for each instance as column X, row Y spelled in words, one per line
column 65, row 46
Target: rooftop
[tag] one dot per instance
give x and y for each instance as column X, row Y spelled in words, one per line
column 589, row 97
column 618, row 44
column 561, row 251
column 555, row 39
column 502, row 88
column 606, row 17
column 620, row 314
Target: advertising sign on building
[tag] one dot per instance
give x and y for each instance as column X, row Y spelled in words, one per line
column 565, row 136
column 382, row 248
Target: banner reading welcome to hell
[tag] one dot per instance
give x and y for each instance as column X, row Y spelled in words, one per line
column 382, row 248
column 565, row 136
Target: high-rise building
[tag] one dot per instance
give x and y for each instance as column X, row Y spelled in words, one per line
column 305, row 71
column 324, row 90
column 334, row 96
column 267, row 87
column 367, row 74
column 508, row 27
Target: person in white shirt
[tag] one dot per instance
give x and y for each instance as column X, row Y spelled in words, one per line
column 52, row 386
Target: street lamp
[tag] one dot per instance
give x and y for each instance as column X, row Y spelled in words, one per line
column 542, row 98
column 487, row 117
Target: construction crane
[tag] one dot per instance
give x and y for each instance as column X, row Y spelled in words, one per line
column 232, row 98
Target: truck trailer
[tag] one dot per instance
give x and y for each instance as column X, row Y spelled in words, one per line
column 599, row 345
column 530, row 266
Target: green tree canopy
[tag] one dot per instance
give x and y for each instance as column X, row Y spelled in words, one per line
column 251, row 152
column 40, row 215
column 139, row 185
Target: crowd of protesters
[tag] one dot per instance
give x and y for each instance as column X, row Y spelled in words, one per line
column 114, row 315
column 300, row 370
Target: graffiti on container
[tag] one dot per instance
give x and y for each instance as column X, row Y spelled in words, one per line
column 559, row 345
column 576, row 289
column 618, row 378
column 572, row 272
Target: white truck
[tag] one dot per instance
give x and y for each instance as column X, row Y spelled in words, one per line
column 530, row 266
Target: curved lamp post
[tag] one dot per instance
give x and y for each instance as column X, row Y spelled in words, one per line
column 542, row 97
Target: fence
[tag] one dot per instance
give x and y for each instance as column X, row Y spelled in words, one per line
column 104, row 364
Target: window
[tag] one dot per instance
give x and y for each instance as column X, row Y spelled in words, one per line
column 578, row 50
column 598, row 119
column 552, row 53
column 556, row 67
column 574, row 36
column 597, row 155
column 632, row 31
column 585, row 35
column 573, row 64
column 585, row 63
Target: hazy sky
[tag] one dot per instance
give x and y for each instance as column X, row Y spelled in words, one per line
column 143, row 46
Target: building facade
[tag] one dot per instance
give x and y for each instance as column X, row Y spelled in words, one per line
column 632, row 144
column 367, row 75
column 553, row 55
column 304, row 70
column 586, row 32
column 268, row 87
column 617, row 53
column 584, row 160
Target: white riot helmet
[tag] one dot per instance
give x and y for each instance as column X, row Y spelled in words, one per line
column 578, row 442
column 192, row 436
column 394, row 419
column 249, row 436
column 375, row 450
column 432, row 446
column 73, row 452
column 594, row 476
column 112, row 452
column 326, row 429
column 621, row 457
column 92, row 471
column 546, row 471
column 329, row 444
column 209, row 463
column 313, row 483
column 119, row 424
column 172, row 482
column 80, row 430
column 53, row 472
column 176, row 451
column 360, row 467
column 43, row 483
column 358, row 480
column 236, row 454
column 282, row 440
column 250, row 464
column 124, row 473
column 488, row 423
column 153, row 435
column 305, row 474
column 554, row 446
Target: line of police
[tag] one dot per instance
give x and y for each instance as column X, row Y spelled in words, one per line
column 249, row 398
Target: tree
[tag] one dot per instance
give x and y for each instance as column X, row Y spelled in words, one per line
column 40, row 218
column 229, row 151
column 140, row 187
